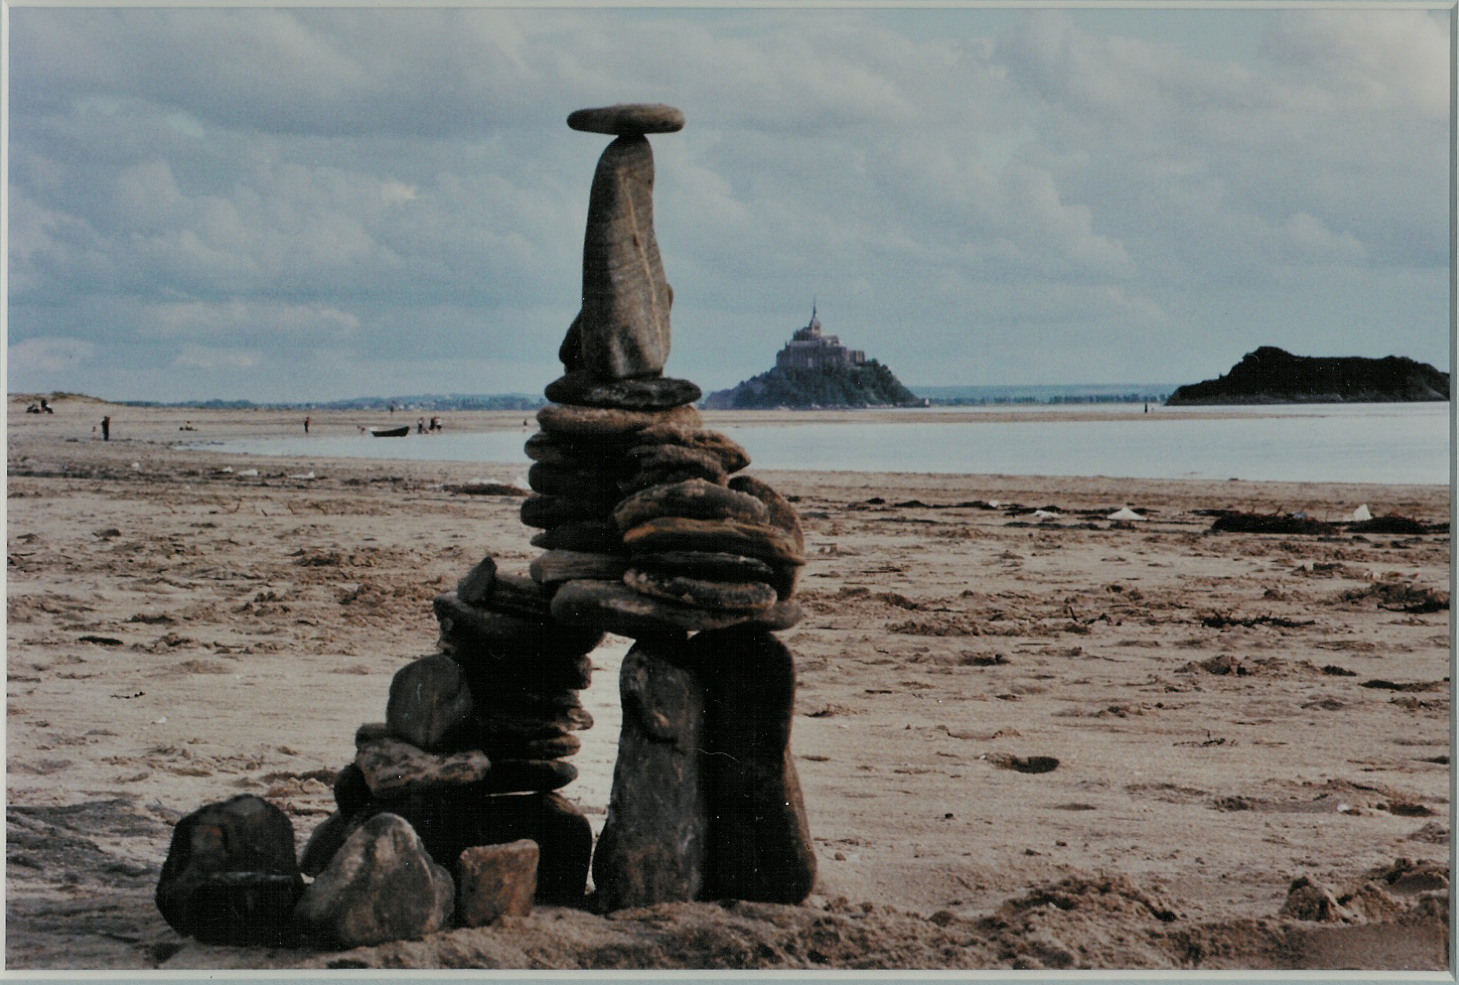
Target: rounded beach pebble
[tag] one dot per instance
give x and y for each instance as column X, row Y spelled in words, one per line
column 627, row 119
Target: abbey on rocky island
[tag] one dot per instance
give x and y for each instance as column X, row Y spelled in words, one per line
column 808, row 348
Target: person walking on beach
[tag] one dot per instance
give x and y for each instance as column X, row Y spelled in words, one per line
column 306, row 425
column 420, row 425
column 106, row 428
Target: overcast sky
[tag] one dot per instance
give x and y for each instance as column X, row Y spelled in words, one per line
column 312, row 204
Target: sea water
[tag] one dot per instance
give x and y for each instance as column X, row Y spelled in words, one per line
column 1382, row 443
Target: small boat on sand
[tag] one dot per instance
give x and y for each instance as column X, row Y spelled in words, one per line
column 399, row 432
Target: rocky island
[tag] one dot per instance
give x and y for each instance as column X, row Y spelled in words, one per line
column 815, row 370
column 1274, row 376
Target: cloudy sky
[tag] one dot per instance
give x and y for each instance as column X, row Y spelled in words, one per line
column 312, row 204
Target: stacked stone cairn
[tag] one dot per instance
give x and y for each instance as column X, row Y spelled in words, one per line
column 648, row 531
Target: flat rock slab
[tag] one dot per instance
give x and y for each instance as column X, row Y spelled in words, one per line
column 546, row 512
column 515, row 594
column 647, row 393
column 429, row 702
column 706, row 564
column 554, row 567
column 731, row 455
column 496, row 881
column 396, row 769
column 652, row 849
column 577, row 424
column 671, row 464
column 772, row 545
column 627, row 118
column 759, row 838
column 573, row 482
column 616, row 608
column 594, row 536
column 782, row 513
column 702, row 593
column 381, row 885
column 696, row 498
column 594, row 453
column 230, row 876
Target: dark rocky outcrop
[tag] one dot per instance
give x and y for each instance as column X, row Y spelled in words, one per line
column 1273, row 376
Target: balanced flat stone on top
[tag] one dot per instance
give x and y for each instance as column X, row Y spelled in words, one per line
column 627, row 118
column 647, row 393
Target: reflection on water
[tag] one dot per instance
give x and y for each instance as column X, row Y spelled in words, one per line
column 1385, row 443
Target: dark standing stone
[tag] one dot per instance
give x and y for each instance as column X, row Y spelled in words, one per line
column 497, row 881
column 652, row 846
column 649, row 393
column 429, row 701
column 759, row 845
column 230, row 875
column 624, row 323
column 380, row 886
column 627, row 118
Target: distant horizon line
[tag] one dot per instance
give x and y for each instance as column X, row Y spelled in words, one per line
column 940, row 391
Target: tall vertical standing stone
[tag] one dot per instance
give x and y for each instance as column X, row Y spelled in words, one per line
column 623, row 328
column 653, row 842
column 760, row 844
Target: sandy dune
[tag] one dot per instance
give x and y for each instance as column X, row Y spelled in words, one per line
column 1025, row 741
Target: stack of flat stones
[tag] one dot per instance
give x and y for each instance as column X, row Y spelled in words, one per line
column 477, row 737
column 649, row 532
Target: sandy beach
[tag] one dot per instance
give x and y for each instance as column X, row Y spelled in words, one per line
column 1025, row 741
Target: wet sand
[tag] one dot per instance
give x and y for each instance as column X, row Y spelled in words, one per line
column 1229, row 713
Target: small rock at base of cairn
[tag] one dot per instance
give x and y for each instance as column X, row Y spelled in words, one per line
column 759, row 838
column 381, row 885
column 450, row 822
column 653, row 842
column 230, row 875
column 496, row 881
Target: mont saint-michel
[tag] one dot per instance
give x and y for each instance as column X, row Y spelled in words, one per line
column 814, row 369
